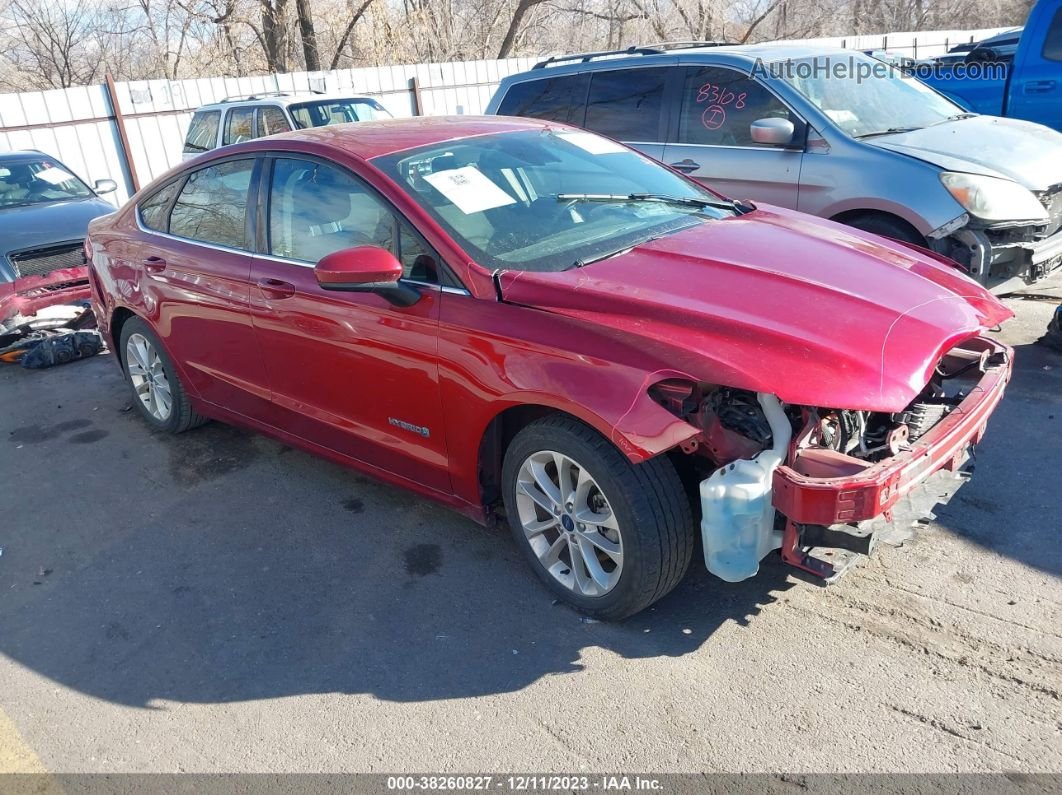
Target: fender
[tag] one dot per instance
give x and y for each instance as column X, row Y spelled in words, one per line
column 495, row 356
column 868, row 204
column 645, row 430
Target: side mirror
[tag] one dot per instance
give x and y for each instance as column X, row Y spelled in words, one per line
column 105, row 186
column 982, row 55
column 775, row 132
column 365, row 269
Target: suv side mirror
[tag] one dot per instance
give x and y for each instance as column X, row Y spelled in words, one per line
column 982, row 55
column 365, row 269
column 772, row 131
column 105, row 186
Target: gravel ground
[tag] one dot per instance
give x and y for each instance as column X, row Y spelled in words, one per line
column 220, row 602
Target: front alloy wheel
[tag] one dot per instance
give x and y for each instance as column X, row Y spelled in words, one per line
column 606, row 536
column 569, row 523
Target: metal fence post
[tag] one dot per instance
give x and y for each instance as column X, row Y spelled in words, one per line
column 418, row 103
column 123, row 136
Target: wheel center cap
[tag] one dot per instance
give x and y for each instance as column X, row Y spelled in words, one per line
column 567, row 523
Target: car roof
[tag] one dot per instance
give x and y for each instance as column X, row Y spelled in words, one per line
column 739, row 55
column 369, row 139
column 282, row 98
column 1006, row 37
column 21, row 153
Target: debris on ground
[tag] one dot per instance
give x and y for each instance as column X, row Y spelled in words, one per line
column 1053, row 337
column 57, row 335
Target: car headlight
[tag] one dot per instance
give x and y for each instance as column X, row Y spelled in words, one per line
column 993, row 199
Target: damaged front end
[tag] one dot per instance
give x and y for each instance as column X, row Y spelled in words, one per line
column 1006, row 255
column 821, row 483
column 45, row 319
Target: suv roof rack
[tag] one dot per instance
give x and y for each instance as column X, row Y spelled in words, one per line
column 645, row 49
column 589, row 56
column 266, row 94
column 688, row 45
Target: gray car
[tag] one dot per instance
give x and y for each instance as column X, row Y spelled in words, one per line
column 834, row 133
column 44, row 215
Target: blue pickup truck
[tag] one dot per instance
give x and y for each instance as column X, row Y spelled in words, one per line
column 1028, row 87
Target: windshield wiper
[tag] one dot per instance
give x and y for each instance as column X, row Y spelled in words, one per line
column 584, row 261
column 619, row 198
column 890, row 131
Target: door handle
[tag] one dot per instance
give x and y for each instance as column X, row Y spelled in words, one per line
column 685, row 166
column 1039, row 86
column 276, row 288
column 154, row 264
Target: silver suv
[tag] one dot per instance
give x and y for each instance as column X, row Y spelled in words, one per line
column 832, row 133
column 239, row 119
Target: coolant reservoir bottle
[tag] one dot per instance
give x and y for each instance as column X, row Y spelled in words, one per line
column 737, row 525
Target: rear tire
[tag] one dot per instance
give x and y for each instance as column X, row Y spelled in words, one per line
column 616, row 539
column 158, row 393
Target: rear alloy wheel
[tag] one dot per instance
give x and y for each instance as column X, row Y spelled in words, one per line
column 148, row 377
column 158, row 393
column 607, row 536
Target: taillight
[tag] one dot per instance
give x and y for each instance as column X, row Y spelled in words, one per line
column 87, row 248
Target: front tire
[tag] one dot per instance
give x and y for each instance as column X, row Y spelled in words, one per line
column 158, row 393
column 887, row 226
column 606, row 536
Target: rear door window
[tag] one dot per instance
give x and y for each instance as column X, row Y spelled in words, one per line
column 239, row 126
column 560, row 99
column 627, row 104
column 155, row 210
column 271, row 121
column 719, row 106
column 202, row 132
column 212, row 205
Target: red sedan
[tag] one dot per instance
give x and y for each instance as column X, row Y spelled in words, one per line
column 506, row 314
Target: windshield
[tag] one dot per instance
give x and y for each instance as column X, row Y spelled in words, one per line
column 337, row 111
column 548, row 200
column 38, row 181
column 863, row 96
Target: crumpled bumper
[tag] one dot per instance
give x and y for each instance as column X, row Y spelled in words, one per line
column 817, row 508
column 872, row 492
column 29, row 294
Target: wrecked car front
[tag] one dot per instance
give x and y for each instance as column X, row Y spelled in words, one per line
column 823, row 376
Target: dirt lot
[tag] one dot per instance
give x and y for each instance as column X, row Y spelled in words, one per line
column 219, row 602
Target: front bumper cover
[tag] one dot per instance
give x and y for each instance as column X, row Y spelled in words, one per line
column 27, row 295
column 872, row 492
column 852, row 503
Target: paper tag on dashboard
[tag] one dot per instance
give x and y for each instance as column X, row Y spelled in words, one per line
column 53, row 175
column 594, row 144
column 469, row 189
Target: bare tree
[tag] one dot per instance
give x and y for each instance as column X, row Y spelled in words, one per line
column 59, row 43
column 522, row 7
column 355, row 17
column 56, row 45
column 308, row 35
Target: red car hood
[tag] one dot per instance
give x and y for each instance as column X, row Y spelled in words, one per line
column 776, row 301
column 28, row 294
